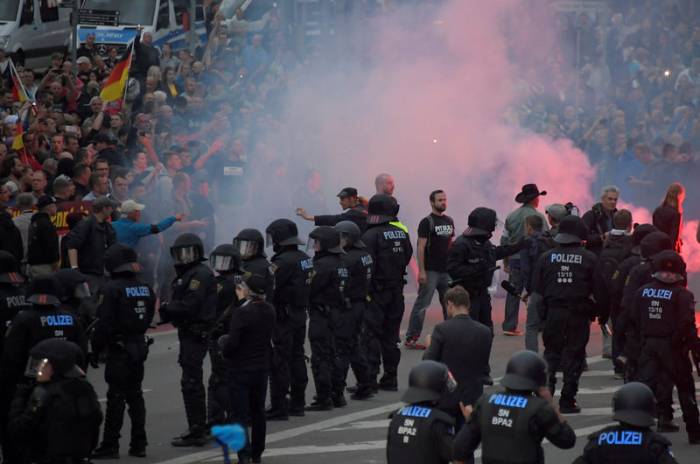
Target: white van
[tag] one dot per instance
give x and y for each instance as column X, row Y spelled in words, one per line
column 31, row 30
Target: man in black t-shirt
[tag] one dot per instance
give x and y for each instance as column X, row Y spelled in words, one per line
column 435, row 233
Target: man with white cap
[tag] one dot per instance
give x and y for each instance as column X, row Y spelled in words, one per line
column 128, row 228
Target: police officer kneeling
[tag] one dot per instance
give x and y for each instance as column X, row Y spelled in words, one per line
column 58, row 419
column 517, row 419
column 632, row 441
column 124, row 313
column 419, row 432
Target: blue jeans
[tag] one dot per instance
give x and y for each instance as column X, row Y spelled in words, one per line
column 436, row 281
column 515, row 277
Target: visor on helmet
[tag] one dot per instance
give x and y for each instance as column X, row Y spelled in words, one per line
column 221, row 263
column 246, row 248
column 34, row 367
column 82, row 290
column 185, row 255
column 313, row 245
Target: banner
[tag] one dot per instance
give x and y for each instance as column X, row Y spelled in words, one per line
column 60, row 220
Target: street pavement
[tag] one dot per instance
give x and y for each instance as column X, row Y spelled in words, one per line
column 356, row 433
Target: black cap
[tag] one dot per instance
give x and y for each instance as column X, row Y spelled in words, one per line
column 427, row 381
column 481, row 221
column 634, row 404
column 526, row 371
column 571, row 230
column 45, row 290
column 669, row 267
column 528, row 193
column 45, row 200
column 347, row 192
column 257, row 283
column 63, row 355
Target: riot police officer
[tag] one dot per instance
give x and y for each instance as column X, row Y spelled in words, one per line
column 226, row 262
column 639, row 275
column 58, row 420
column 632, row 441
column 11, row 293
column 420, row 432
column 471, row 261
column 389, row 245
column 250, row 244
column 347, row 321
column 126, row 305
column 293, row 269
column 666, row 315
column 193, row 312
column 326, row 296
column 517, row 419
column 564, row 279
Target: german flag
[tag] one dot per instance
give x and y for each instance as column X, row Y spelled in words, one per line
column 115, row 86
column 18, row 92
column 18, row 140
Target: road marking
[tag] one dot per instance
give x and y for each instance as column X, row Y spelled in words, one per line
column 362, row 425
column 294, row 432
column 608, row 390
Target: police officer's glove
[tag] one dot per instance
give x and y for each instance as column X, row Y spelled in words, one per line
column 222, row 341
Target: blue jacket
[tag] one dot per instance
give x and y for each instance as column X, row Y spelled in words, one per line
column 129, row 232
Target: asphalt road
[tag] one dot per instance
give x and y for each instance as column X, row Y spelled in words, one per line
column 357, row 433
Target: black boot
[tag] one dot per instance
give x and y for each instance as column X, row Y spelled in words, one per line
column 362, row 392
column 388, row 383
column 339, row 400
column 106, row 452
column 569, row 406
column 666, row 425
column 196, row 436
column 274, row 414
column 321, row 404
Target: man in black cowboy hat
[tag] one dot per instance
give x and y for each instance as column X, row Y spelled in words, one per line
column 514, row 231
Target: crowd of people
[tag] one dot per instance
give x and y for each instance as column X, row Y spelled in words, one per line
column 109, row 216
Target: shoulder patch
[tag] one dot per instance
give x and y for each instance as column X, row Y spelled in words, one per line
column 194, row 284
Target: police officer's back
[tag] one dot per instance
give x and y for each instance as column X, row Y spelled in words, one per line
column 420, row 433
column 193, row 311
column 666, row 315
column 250, row 244
column 76, row 293
column 471, row 261
column 58, row 420
column 631, row 441
column 292, row 274
column 511, row 425
column 126, row 305
column 12, row 290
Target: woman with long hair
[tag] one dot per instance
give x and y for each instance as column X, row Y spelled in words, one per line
column 668, row 217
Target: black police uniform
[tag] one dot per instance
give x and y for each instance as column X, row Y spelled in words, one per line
column 471, row 262
column 126, row 305
column 420, row 432
column 12, row 290
column 347, row 322
column 389, row 244
column 326, row 296
column 193, row 311
column 56, row 421
column 564, row 278
column 632, row 441
column 218, row 404
column 76, row 295
column 624, row 444
column 256, row 263
column 293, row 269
column 666, row 313
column 638, row 276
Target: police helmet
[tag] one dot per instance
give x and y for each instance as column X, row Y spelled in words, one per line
column 381, row 209
column 282, row 232
column 121, row 258
column 187, row 249
column 44, row 290
column 481, row 221
column 668, row 267
column 641, row 231
column 654, row 243
column 428, row 381
column 74, row 284
column 63, row 356
column 225, row 258
column 634, row 404
column 327, row 238
column 525, row 371
column 249, row 243
column 9, row 270
column 350, row 232
column 571, row 230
